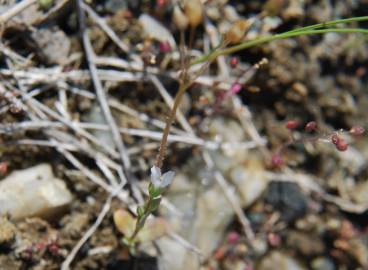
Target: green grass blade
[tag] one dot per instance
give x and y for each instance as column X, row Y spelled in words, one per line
column 263, row 40
column 330, row 23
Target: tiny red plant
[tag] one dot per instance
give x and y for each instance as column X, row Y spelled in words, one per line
column 234, row 62
column 357, row 131
column 4, row 167
column 311, row 126
column 335, row 139
column 232, row 237
column 341, row 145
column 292, row 124
column 235, row 88
column 161, row 3
column 274, row 239
column 165, row 47
column 276, row 160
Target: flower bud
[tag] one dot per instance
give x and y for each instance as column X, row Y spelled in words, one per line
column 357, row 131
column 276, row 160
column 234, row 62
column 292, row 124
column 193, row 9
column 335, row 139
column 233, row 237
column 342, row 145
column 237, row 31
column 311, row 126
column 179, row 18
column 165, row 47
column 235, row 88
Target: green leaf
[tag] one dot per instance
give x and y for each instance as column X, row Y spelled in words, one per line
column 154, row 192
column 140, row 211
column 124, row 221
column 141, row 221
column 154, row 205
column 45, row 4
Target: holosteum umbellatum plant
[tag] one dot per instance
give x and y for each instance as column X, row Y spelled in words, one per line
column 190, row 17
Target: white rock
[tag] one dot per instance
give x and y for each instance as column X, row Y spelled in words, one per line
column 230, row 13
column 156, row 30
column 204, row 220
column 279, row 260
column 214, row 214
column 175, row 256
column 226, row 130
column 353, row 160
column 250, row 180
column 33, row 192
column 95, row 115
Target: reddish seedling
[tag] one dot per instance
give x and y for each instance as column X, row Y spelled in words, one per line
column 335, row 138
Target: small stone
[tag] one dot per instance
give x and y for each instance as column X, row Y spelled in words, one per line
column 259, row 246
column 54, row 45
column 226, row 130
column 33, row 192
column 279, row 260
column 213, row 215
column 75, row 224
column 156, row 30
column 183, row 258
column 306, row 244
column 359, row 193
column 359, row 250
column 213, row 13
column 322, row 263
column 288, row 199
column 114, row 5
column 230, row 13
column 300, row 88
column 7, row 231
column 250, row 180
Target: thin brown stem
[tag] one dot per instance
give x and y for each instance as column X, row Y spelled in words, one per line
column 170, row 119
column 185, row 83
column 182, row 49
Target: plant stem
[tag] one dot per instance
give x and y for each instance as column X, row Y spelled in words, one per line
column 138, row 226
column 330, row 23
column 161, row 154
column 262, row 40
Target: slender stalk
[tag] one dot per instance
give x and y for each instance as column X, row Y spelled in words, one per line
column 330, row 23
column 170, row 119
column 262, row 40
column 137, row 229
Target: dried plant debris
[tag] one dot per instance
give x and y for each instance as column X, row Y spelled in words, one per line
column 268, row 144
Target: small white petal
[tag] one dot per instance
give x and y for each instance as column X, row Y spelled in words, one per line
column 156, row 183
column 167, row 178
column 155, row 173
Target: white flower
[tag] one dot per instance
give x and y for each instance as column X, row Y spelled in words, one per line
column 161, row 181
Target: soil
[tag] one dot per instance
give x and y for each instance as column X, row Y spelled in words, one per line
column 310, row 78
